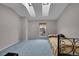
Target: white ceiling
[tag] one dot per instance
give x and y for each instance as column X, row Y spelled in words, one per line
column 55, row 10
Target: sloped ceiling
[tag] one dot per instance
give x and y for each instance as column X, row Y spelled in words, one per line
column 55, row 10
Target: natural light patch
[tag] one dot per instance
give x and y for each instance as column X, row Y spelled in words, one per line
column 45, row 8
column 42, row 29
column 30, row 9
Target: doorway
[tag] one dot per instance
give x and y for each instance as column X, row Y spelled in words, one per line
column 42, row 27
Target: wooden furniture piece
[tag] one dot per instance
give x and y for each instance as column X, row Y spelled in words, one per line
column 53, row 43
column 68, row 46
column 62, row 46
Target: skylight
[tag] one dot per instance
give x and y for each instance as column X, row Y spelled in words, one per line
column 45, row 9
column 30, row 9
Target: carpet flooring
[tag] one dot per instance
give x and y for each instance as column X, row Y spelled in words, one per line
column 39, row 47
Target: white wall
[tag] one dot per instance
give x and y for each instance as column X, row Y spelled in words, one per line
column 68, row 24
column 9, row 27
column 26, row 29
column 34, row 28
column 23, row 29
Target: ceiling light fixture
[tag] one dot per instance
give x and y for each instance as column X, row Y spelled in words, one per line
column 45, row 3
column 29, row 4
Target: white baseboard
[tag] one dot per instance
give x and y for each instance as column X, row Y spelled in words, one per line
column 8, row 46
